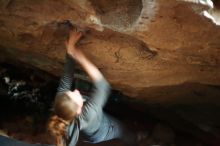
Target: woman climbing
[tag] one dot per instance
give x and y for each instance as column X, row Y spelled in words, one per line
column 72, row 116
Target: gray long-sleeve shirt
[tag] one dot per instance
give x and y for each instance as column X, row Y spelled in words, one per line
column 95, row 125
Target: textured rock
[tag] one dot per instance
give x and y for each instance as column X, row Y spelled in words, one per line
column 162, row 52
column 147, row 47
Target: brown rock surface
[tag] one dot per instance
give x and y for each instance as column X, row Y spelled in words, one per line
column 148, row 49
column 160, row 51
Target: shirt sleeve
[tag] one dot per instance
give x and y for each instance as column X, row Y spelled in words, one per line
column 100, row 94
column 92, row 111
column 67, row 77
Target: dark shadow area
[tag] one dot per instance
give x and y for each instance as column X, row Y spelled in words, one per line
column 27, row 94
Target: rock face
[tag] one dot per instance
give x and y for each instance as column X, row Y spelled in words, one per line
column 159, row 51
column 146, row 47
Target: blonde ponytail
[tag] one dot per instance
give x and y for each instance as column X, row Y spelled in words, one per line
column 65, row 110
column 57, row 128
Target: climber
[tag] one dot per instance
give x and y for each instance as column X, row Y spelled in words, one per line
column 72, row 116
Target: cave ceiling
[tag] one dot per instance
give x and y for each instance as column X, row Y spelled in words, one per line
column 160, row 51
